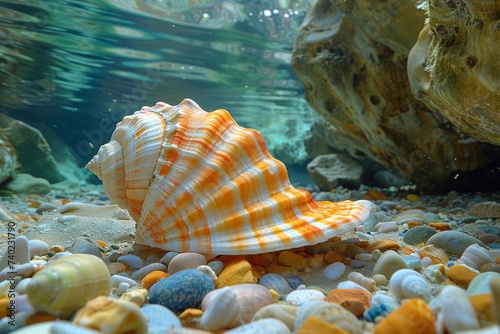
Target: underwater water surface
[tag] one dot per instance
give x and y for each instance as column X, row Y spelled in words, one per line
column 67, row 66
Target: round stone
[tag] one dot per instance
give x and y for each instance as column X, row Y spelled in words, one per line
column 453, row 242
column 299, row 297
column 182, row 290
column 388, row 263
column 133, row 261
column 37, row 247
column 161, row 319
column 418, row 235
column 275, row 282
column 335, row 270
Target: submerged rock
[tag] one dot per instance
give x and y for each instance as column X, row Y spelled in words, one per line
column 352, row 61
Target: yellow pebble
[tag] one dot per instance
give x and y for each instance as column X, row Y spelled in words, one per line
column 413, row 198
column 153, row 277
column 238, row 272
column 282, row 271
column 39, row 317
column 290, row 259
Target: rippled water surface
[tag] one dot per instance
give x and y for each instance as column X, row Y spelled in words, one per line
column 67, row 65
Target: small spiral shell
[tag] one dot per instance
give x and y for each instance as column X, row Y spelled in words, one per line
column 475, row 256
column 66, row 284
column 407, row 283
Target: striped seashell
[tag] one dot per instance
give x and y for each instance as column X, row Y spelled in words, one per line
column 198, row 182
column 66, row 284
column 475, row 256
column 407, row 283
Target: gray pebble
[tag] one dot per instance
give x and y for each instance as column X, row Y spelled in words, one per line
column 84, row 245
column 216, row 266
column 133, row 261
column 139, row 274
column 37, row 247
column 430, row 217
column 453, row 242
column 114, row 256
column 276, row 282
column 418, row 235
column 486, row 210
column 168, row 257
column 489, row 229
column 370, row 223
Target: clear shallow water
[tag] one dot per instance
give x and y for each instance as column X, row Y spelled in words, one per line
column 67, row 65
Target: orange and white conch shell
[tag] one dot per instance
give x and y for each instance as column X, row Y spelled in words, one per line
column 197, row 181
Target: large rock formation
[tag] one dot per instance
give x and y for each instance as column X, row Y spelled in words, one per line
column 34, row 153
column 352, row 59
column 454, row 67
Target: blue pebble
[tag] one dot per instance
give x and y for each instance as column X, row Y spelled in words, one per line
column 294, row 281
column 494, row 246
column 412, row 261
column 182, row 290
column 379, row 310
column 489, row 229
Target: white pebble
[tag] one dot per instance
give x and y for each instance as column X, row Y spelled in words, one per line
column 334, row 271
column 122, row 288
column 457, row 311
column 350, row 285
column 299, row 297
column 266, row 325
column 66, row 219
column 116, row 280
column 37, row 247
column 386, row 227
column 364, row 236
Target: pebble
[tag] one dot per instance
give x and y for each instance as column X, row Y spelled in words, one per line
column 291, row 259
column 334, row 271
column 185, row 261
column 379, row 311
column 430, row 217
column 457, row 311
column 44, row 207
column 299, row 297
column 275, row 282
column 418, row 235
column 370, row 223
column 388, row 263
column 37, row 247
column 294, row 281
column 238, row 272
column 141, row 273
column 329, row 312
column 168, row 257
column 453, row 242
column 386, row 227
column 383, row 246
column 116, row 280
column 357, row 301
column 84, row 245
column 161, row 319
column 182, row 290
column 133, row 261
column 487, row 209
column 217, row 266
column 494, row 267
column 137, row 296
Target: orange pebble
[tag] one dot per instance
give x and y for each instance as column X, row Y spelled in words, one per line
column 35, row 204
column 383, row 245
column 412, row 198
column 362, row 244
column 117, row 267
column 440, row 226
column 64, row 201
column 4, row 303
column 39, row 317
column 35, row 218
column 57, row 248
column 407, row 250
column 238, row 272
column 22, row 216
column 333, row 256
column 412, row 224
column 374, row 194
column 258, row 260
column 357, row 301
column 101, row 243
column 153, row 277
